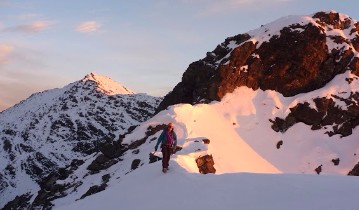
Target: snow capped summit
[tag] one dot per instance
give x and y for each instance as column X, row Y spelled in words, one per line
column 106, row 84
column 54, row 128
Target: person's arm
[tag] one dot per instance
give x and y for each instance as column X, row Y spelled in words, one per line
column 159, row 140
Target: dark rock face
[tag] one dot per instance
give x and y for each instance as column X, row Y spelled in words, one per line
column 94, row 189
column 206, row 164
column 97, row 188
column 197, row 81
column 332, row 19
column 153, row 158
column 326, row 114
column 354, row 171
column 318, row 170
column 336, row 161
column 50, row 190
column 206, row 141
column 296, row 61
column 20, row 202
column 135, row 164
column 100, row 163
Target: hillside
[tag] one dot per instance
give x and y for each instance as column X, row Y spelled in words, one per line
column 55, row 128
column 240, row 140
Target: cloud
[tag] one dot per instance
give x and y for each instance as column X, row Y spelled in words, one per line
column 28, row 16
column 31, row 27
column 225, row 6
column 5, row 50
column 88, row 27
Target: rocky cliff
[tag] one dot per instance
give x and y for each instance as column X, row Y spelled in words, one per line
column 293, row 55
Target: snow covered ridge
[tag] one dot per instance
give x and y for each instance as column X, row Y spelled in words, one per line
column 240, row 139
column 51, row 129
column 292, row 55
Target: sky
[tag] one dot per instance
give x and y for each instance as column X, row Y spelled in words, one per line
column 144, row 45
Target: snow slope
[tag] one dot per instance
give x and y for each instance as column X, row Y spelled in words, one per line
column 242, row 142
column 147, row 188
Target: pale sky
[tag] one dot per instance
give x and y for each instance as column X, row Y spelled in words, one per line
column 144, row 45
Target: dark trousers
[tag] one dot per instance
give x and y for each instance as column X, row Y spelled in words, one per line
column 166, row 154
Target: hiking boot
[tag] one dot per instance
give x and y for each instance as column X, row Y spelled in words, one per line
column 164, row 170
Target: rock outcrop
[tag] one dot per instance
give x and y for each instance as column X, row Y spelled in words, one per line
column 205, row 164
column 325, row 113
column 301, row 57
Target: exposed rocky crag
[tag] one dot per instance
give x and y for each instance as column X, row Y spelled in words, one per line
column 304, row 54
column 325, row 114
column 49, row 130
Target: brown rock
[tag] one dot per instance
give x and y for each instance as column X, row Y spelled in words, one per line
column 206, row 141
column 296, row 61
column 319, row 169
column 354, row 171
column 333, row 19
column 327, row 113
column 206, row 164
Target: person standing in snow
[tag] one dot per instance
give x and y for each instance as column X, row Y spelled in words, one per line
column 168, row 141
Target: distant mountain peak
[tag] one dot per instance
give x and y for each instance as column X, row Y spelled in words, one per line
column 106, row 85
column 52, row 128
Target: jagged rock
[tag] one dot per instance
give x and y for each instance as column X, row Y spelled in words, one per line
column 332, row 19
column 149, row 132
column 50, row 190
column 7, row 145
column 354, row 171
column 326, row 113
column 135, row 164
column 19, row 202
column 94, row 189
column 112, row 149
column 198, row 83
column 336, row 161
column 206, row 141
column 153, row 158
column 106, row 178
column 137, row 143
column 318, row 170
column 153, row 130
column 206, row 164
column 298, row 56
column 100, row 163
